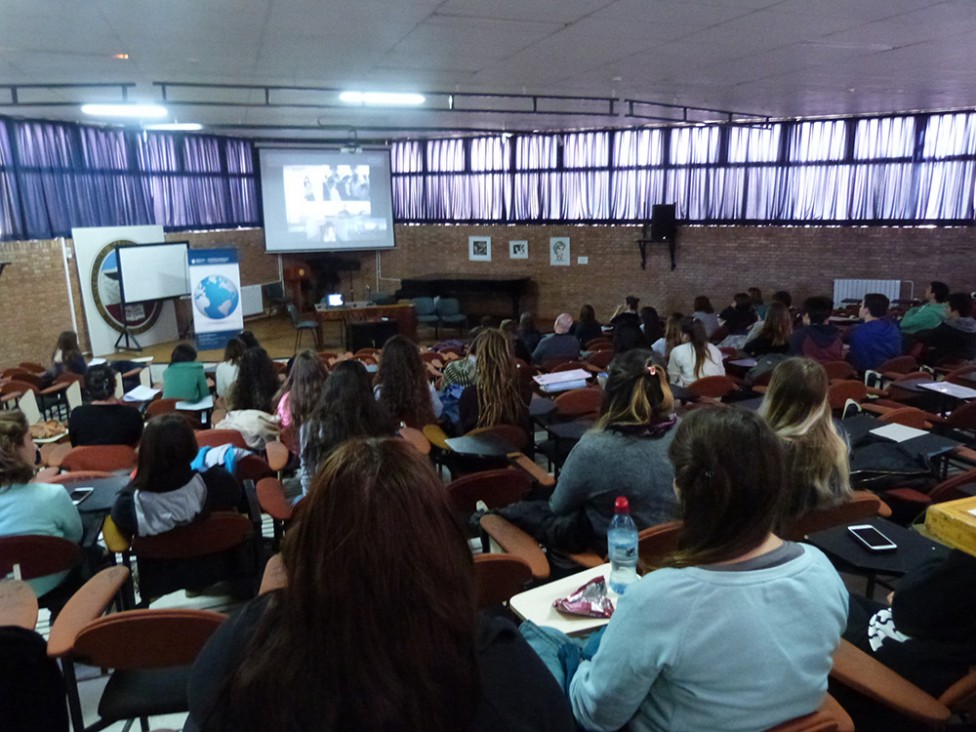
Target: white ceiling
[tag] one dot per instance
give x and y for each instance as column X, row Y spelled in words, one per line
column 778, row 58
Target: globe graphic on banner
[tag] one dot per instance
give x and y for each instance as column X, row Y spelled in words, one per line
column 216, row 297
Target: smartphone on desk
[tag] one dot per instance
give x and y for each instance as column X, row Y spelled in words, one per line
column 872, row 539
column 80, row 494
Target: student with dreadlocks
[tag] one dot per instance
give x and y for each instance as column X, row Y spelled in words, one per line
column 496, row 397
column 625, row 454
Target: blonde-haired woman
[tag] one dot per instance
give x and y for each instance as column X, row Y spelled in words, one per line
column 797, row 409
column 496, row 397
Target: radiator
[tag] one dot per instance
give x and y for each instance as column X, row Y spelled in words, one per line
column 857, row 289
column 252, row 302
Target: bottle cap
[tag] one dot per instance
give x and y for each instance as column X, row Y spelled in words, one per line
column 622, row 505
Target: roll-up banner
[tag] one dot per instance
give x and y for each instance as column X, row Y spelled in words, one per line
column 215, row 289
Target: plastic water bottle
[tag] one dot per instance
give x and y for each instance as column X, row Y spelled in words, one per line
column 622, row 546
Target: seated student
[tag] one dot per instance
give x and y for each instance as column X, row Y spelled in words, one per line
column 508, row 327
column 955, row 338
column 558, row 346
column 67, row 358
column 926, row 632
column 651, row 324
column 496, row 397
column 402, row 385
column 929, row 314
column 346, row 409
column 298, row 396
column 737, row 631
column 226, row 373
column 796, row 408
column 462, row 371
column 695, row 358
column 528, row 334
column 671, row 337
column 756, row 298
column 28, row 508
column 627, row 335
column 627, row 311
column 104, row 421
column 774, row 336
column 878, row 338
column 166, row 492
column 704, row 312
column 587, row 327
column 817, row 339
column 739, row 316
column 361, row 639
column 184, row 378
column 256, row 383
column 625, row 454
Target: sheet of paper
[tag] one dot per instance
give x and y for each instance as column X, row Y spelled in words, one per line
column 140, row 394
column 898, row 432
column 953, row 390
column 205, row 403
column 561, row 376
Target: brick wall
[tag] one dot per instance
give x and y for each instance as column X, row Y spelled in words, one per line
column 716, row 261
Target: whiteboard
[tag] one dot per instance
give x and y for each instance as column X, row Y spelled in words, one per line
column 152, row 271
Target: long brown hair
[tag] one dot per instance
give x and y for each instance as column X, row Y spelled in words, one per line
column 376, row 628
column 636, row 394
column 402, row 380
column 672, row 332
column 778, row 326
column 68, row 345
column 499, row 400
column 699, row 343
column 167, row 448
column 303, row 387
column 257, row 382
column 13, row 430
column 796, row 407
column 729, row 477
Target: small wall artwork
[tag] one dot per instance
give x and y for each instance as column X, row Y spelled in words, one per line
column 559, row 251
column 518, row 249
column 479, row 248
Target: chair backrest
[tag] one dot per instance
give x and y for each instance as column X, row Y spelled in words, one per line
column 496, row 488
column 424, row 306
column 498, row 577
column 830, row 717
column 961, row 696
column 579, row 403
column 19, row 385
column 656, row 542
column 37, row 555
column 18, row 374
column 898, row 365
column 28, row 405
column 961, row 375
column 272, row 499
column 951, row 489
column 840, row 391
column 600, row 359
column 218, row 437
column 293, row 313
column 161, row 406
column 863, row 505
column 448, row 306
column 600, row 343
column 416, row 438
column 218, row 532
column 557, row 366
column 100, row 457
column 714, row 387
column 32, row 366
column 839, row 370
column 907, row 416
column 142, row 639
column 88, row 602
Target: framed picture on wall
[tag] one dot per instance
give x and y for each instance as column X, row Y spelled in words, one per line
column 559, row 251
column 479, row 248
column 518, row 249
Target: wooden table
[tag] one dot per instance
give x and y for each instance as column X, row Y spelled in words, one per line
column 402, row 313
column 18, row 604
column 954, row 523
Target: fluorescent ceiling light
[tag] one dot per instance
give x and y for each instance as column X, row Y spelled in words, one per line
column 382, row 99
column 174, row 126
column 153, row 111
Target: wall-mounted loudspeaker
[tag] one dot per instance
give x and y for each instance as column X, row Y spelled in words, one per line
column 663, row 225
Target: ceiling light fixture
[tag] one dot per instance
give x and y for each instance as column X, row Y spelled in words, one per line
column 174, row 126
column 152, row 111
column 382, row 99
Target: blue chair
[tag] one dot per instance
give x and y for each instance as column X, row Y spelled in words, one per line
column 426, row 312
column 449, row 313
column 302, row 325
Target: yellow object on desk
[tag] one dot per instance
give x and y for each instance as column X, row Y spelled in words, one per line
column 954, row 523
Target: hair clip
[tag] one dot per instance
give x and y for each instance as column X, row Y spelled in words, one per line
column 652, row 370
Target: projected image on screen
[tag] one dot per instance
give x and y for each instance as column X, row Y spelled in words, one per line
column 322, row 200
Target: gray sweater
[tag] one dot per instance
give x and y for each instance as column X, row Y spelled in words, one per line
column 607, row 464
